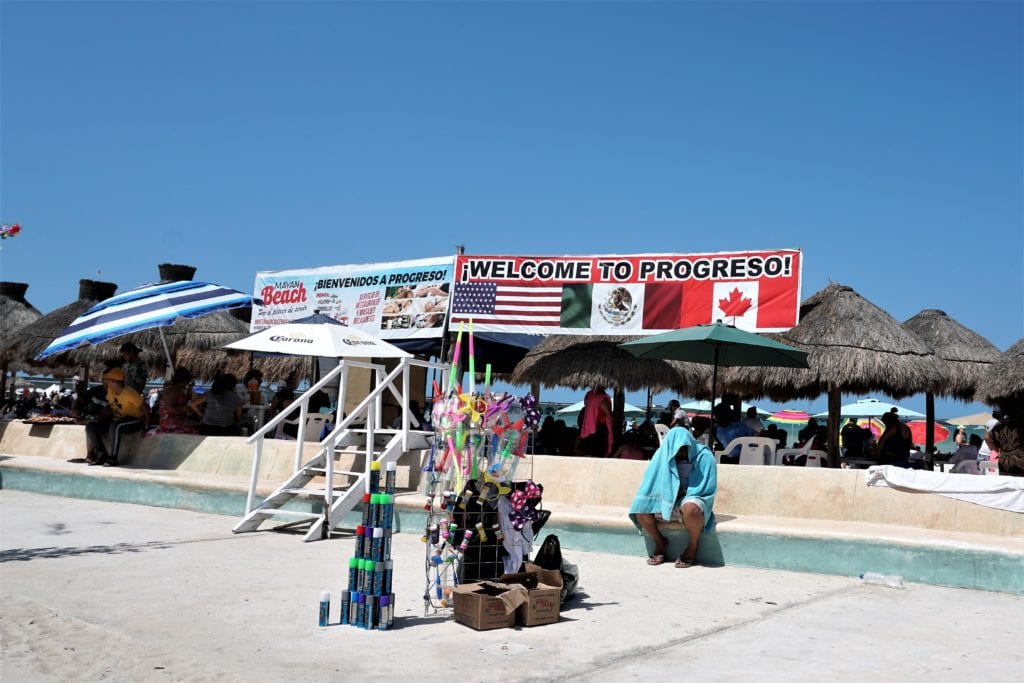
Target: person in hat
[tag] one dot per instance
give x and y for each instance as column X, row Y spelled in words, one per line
column 134, row 368
column 128, row 412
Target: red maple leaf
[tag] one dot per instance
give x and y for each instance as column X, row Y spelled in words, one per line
column 736, row 305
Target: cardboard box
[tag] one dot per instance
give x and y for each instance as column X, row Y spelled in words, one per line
column 480, row 606
column 544, row 602
column 542, row 606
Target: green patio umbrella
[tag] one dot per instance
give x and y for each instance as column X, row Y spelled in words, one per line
column 718, row 345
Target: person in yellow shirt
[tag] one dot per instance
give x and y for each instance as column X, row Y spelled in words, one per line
column 129, row 413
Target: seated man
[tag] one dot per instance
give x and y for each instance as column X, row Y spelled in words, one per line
column 128, row 412
column 968, row 454
column 679, row 485
column 852, row 438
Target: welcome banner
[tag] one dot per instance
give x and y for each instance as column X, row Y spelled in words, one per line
column 758, row 291
column 395, row 300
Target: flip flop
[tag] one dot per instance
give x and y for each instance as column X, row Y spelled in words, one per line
column 78, row 460
column 655, row 560
column 683, row 563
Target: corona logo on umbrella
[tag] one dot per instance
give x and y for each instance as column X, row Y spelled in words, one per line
column 295, row 338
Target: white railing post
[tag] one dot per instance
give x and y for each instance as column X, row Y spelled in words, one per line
column 301, row 433
column 256, row 457
column 342, row 389
column 329, row 488
column 369, row 449
column 405, row 405
column 378, row 404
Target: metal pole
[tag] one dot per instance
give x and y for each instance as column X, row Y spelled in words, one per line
column 167, row 351
column 405, row 404
column 446, row 344
column 714, row 390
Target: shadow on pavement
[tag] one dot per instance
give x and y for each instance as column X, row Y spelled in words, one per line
column 26, row 554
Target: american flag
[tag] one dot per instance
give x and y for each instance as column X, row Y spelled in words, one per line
column 508, row 303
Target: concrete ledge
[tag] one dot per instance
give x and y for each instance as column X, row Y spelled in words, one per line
column 825, row 521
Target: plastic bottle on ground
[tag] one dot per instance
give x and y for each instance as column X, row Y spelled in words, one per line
column 876, row 579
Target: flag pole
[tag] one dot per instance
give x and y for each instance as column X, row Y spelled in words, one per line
column 446, row 345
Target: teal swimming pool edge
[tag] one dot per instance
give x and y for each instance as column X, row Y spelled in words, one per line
column 944, row 566
column 154, row 494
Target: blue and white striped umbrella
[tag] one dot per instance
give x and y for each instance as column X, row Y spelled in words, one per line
column 148, row 306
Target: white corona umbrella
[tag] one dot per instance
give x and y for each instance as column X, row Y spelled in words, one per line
column 872, row 407
column 629, row 410
column 320, row 339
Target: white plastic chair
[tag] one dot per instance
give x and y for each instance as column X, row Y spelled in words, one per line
column 965, row 467
column 816, row 458
column 314, row 426
column 795, row 452
column 662, row 430
column 988, row 467
column 754, row 450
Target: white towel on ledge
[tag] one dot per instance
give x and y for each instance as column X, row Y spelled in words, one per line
column 1004, row 493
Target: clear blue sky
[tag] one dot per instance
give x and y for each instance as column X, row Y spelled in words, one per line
column 883, row 139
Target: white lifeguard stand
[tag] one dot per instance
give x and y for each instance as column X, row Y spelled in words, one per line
column 360, row 431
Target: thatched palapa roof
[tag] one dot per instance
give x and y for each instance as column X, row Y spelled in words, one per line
column 26, row 343
column 15, row 311
column 205, row 365
column 580, row 362
column 1004, row 380
column 853, row 346
column 963, row 355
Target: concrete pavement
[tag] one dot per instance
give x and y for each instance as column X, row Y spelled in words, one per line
column 92, row 590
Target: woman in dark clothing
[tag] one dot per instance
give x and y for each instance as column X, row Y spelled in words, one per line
column 895, row 442
column 223, row 411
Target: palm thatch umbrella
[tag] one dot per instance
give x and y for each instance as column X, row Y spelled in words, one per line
column 963, row 357
column 207, row 364
column 15, row 313
column 26, row 343
column 853, row 345
column 1003, row 382
column 1003, row 385
column 583, row 362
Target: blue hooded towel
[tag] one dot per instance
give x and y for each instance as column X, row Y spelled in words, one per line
column 660, row 492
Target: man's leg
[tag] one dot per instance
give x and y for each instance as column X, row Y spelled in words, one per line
column 693, row 520
column 117, row 431
column 649, row 524
column 95, row 450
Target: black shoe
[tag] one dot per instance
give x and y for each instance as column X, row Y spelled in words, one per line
column 110, row 462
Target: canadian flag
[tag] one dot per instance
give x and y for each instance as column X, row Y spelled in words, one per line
column 735, row 303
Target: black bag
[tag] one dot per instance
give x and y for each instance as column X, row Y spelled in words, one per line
column 550, row 557
column 550, row 554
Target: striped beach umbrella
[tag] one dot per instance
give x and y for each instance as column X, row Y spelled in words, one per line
column 152, row 305
column 790, row 417
column 872, row 423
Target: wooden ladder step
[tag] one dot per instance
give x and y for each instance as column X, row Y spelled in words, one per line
column 312, row 493
column 323, row 470
column 297, row 514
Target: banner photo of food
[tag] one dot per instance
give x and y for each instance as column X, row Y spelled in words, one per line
column 394, row 300
column 756, row 291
